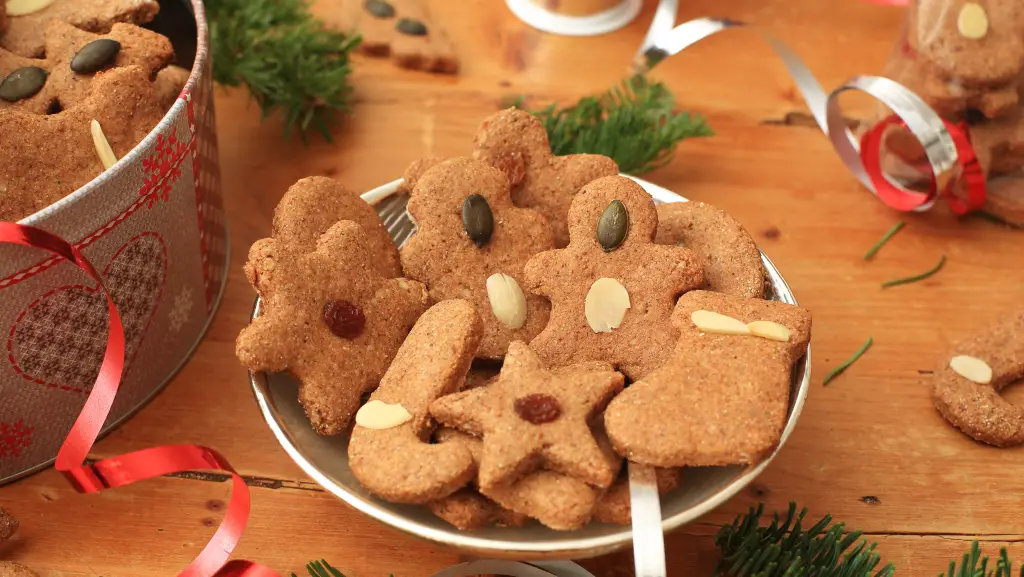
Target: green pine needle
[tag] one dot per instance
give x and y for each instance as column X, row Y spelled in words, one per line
column 633, row 123
column 286, row 58
column 917, row 277
column 321, row 568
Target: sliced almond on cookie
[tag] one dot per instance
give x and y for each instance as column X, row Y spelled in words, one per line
column 380, row 415
column 25, row 7
column 719, row 324
column 508, row 303
column 972, row 22
column 606, row 305
column 769, row 330
column 972, row 369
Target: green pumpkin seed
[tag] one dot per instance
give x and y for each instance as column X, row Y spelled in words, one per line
column 613, row 226
column 379, row 8
column 95, row 55
column 411, row 27
column 477, row 219
column 22, row 83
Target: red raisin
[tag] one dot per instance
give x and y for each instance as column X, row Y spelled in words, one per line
column 538, row 408
column 345, row 319
column 513, row 165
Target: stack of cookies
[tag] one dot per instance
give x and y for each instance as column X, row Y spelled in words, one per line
column 81, row 83
column 545, row 323
column 965, row 59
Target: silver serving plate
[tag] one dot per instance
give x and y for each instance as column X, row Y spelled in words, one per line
column 325, row 459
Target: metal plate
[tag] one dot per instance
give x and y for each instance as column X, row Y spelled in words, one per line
column 325, row 459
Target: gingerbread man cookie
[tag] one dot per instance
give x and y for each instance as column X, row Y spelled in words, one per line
column 333, row 322
column 534, row 418
column 722, row 397
column 557, row 501
column 308, row 208
column 472, row 243
column 48, row 157
column 612, row 289
column 73, row 57
column 397, row 462
column 26, row 26
column 731, row 260
column 401, row 29
column 967, row 384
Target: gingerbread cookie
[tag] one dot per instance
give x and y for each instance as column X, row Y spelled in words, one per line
column 722, row 397
column 472, row 243
column 397, row 462
column 466, row 510
column 48, row 157
column 534, row 418
column 731, row 260
column 9, row 569
column 307, row 210
column 8, row 525
column 24, row 35
column 557, row 501
column 612, row 289
column 169, row 83
column 401, row 29
column 73, row 57
column 333, row 322
column 968, row 381
column 1005, row 199
column 613, row 507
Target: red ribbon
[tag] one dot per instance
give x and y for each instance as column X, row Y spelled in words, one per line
column 140, row 465
column 899, row 198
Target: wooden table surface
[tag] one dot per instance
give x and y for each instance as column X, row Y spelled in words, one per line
column 869, row 448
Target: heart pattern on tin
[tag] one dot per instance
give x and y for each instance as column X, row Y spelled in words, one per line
column 59, row 339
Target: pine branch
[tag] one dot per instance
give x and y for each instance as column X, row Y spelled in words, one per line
column 321, row 568
column 633, row 123
column 286, row 58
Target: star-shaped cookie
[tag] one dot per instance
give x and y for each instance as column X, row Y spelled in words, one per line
column 532, row 418
column 24, row 35
column 515, row 142
column 441, row 254
column 720, row 399
column 64, row 88
column 653, row 276
column 333, row 322
column 46, row 158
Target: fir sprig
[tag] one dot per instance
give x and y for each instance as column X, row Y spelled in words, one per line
column 286, row 58
column 321, row 568
column 634, row 123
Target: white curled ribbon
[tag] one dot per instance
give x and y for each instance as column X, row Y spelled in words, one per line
column 645, row 512
column 930, row 130
column 514, row 569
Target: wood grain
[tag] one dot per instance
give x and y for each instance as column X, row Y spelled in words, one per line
column 870, row 449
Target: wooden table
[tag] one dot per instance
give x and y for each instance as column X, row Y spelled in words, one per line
column 870, row 449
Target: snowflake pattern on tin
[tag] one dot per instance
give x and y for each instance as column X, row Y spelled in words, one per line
column 180, row 310
column 163, row 168
column 14, row 438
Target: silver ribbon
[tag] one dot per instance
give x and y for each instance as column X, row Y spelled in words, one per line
column 645, row 511
column 663, row 41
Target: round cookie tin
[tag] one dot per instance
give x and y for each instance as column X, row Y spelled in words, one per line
column 153, row 225
column 325, row 459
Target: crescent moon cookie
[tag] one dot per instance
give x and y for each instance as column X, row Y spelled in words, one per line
column 472, row 243
column 731, row 260
column 334, row 322
column 967, row 384
column 612, row 289
column 398, row 463
column 721, row 398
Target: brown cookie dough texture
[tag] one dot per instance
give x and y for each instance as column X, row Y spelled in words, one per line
column 399, row 464
column 514, row 443
column 441, row 255
column 169, row 83
column 1006, row 199
column 720, row 399
column 306, row 211
column 614, row 504
column 8, row 525
column 64, row 88
column 731, row 260
column 9, row 569
column 654, row 276
column 293, row 335
column 466, row 510
column 977, row 409
column 381, row 36
column 46, row 158
column 24, row 35
column 557, row 501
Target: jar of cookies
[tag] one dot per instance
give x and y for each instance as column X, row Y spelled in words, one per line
column 107, row 133
column 965, row 59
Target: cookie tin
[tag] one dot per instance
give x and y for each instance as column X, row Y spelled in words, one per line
column 325, row 459
column 154, row 226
